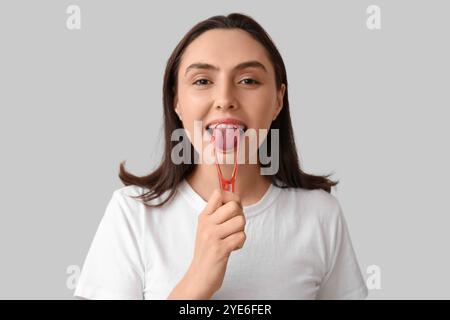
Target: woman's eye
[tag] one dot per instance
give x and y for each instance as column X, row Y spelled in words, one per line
column 203, row 82
column 250, row 81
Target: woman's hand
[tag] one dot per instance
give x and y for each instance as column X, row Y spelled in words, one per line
column 220, row 231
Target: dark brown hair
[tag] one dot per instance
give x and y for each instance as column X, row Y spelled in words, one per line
column 168, row 175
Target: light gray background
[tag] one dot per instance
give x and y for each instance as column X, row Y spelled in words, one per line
column 371, row 106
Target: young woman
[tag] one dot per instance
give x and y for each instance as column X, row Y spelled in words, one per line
column 177, row 233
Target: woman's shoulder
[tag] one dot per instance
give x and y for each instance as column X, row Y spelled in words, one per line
column 132, row 196
column 127, row 201
column 130, row 191
column 311, row 196
column 316, row 201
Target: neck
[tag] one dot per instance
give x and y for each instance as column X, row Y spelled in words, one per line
column 250, row 184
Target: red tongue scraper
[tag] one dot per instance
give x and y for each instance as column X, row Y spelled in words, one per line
column 226, row 184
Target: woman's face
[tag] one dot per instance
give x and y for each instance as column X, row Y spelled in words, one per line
column 226, row 74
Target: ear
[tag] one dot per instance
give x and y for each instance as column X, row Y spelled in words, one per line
column 176, row 108
column 280, row 98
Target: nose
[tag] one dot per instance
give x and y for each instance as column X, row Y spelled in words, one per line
column 225, row 106
column 225, row 99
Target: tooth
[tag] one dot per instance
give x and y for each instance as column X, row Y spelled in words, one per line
column 226, row 126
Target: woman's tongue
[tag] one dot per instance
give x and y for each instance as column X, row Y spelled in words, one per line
column 225, row 139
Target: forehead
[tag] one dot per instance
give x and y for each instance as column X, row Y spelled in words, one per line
column 225, row 49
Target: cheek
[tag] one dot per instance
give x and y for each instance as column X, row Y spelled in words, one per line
column 261, row 114
column 194, row 94
column 261, row 105
column 194, row 111
column 193, row 103
column 192, row 106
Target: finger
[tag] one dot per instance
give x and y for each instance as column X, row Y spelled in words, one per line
column 228, row 196
column 234, row 225
column 235, row 241
column 214, row 202
column 227, row 212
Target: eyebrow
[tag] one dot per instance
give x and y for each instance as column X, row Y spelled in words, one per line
column 240, row 66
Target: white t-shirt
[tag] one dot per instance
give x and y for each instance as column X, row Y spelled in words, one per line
column 297, row 247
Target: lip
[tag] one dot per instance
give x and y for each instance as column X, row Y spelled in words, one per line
column 227, row 121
